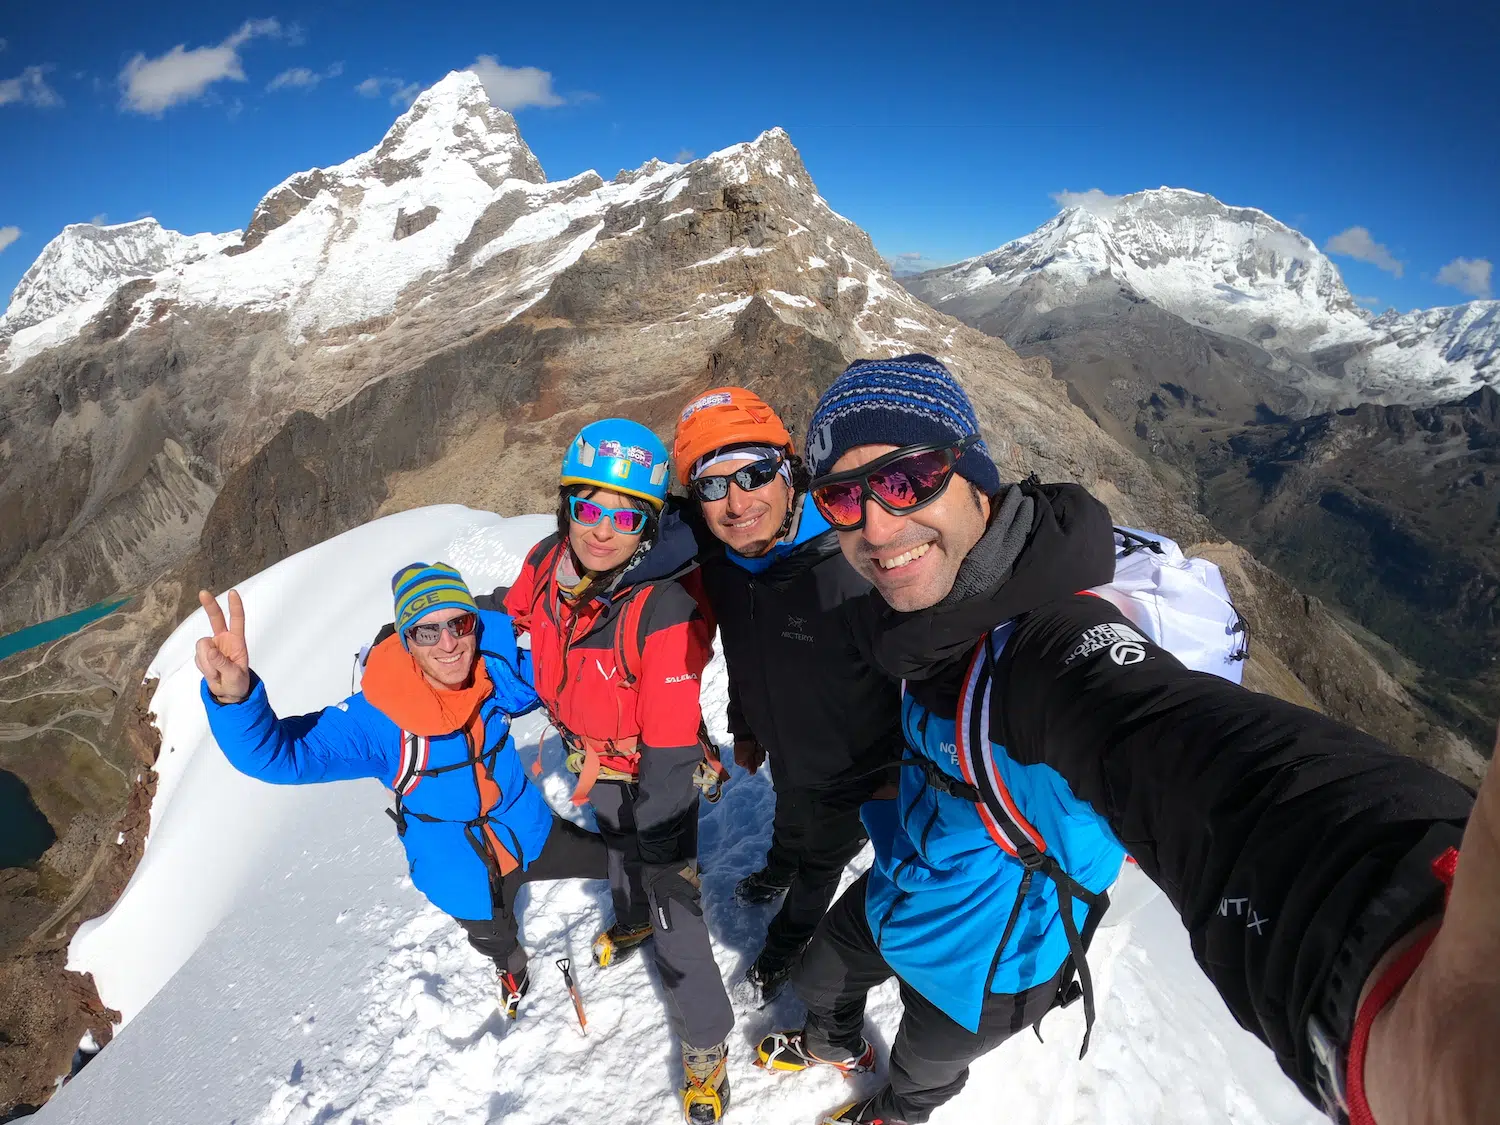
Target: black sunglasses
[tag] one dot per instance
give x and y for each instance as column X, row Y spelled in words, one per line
column 901, row 482
column 749, row 477
column 429, row 633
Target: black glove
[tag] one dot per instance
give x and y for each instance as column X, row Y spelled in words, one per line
column 665, row 881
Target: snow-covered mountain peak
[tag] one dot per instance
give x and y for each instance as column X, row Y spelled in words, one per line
column 454, row 119
column 1231, row 269
column 86, row 260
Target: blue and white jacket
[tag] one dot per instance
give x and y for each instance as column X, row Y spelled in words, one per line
column 451, row 855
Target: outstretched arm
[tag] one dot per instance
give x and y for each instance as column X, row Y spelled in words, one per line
column 334, row 744
column 1270, row 828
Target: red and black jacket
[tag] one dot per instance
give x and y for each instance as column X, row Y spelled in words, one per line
column 632, row 699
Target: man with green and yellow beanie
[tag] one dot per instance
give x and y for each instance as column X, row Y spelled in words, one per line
column 432, row 721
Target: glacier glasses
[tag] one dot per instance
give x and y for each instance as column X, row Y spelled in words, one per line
column 901, row 482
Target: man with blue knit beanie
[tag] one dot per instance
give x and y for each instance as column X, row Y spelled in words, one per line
column 1042, row 733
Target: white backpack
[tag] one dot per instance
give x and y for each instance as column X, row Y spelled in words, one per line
column 1179, row 603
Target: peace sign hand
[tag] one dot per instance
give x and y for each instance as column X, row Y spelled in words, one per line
column 223, row 658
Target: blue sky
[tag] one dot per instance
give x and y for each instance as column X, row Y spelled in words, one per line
column 943, row 129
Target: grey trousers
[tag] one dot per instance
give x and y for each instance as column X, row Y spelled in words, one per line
column 697, row 1005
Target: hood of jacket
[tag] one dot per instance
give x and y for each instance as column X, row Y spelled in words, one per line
column 1069, row 548
column 673, row 554
column 394, row 685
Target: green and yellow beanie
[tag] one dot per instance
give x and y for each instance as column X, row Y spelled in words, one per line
column 420, row 588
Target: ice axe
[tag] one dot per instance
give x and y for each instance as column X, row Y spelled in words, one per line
column 566, row 965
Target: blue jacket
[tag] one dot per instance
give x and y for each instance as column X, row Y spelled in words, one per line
column 941, row 891
column 354, row 739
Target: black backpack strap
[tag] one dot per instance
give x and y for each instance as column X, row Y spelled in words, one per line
column 1006, row 824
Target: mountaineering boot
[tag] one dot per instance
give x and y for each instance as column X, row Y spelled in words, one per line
column 762, row 982
column 619, row 942
column 511, row 987
column 785, row 1050
column 757, row 889
column 859, row 1113
column 705, row 1091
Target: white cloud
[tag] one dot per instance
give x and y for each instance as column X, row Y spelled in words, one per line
column 515, row 87
column 912, row 261
column 4, row 43
column 1357, row 243
column 30, row 87
column 683, row 156
column 1368, row 302
column 7, row 236
column 1283, row 242
column 300, row 78
column 1470, row 275
column 100, row 220
column 297, row 77
column 401, row 92
column 153, row 85
column 1093, row 201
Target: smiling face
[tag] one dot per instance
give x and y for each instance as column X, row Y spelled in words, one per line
column 747, row 522
column 913, row 560
column 448, row 663
column 603, row 547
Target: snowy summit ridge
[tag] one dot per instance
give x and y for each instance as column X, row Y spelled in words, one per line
column 87, row 260
column 1236, row 271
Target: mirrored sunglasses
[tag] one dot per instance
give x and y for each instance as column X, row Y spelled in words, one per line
column 749, row 477
column 429, row 633
column 586, row 513
column 900, row 482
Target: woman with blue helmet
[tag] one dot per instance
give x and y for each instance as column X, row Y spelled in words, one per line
column 618, row 644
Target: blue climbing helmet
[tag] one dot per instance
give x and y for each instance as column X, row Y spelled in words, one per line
column 620, row 455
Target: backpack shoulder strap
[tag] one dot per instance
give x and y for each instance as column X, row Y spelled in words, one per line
column 630, row 630
column 997, row 808
column 414, row 749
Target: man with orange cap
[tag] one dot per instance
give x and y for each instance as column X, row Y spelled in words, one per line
column 799, row 694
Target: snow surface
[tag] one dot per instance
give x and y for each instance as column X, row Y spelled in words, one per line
column 274, row 966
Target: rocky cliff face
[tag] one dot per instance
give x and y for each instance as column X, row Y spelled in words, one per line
column 1392, row 513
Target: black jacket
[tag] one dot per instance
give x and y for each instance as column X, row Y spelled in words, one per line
column 1278, row 834
column 797, row 683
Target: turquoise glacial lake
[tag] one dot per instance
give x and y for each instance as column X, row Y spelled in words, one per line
column 58, row 627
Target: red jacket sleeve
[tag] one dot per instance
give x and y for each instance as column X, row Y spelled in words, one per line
column 518, row 599
column 678, row 646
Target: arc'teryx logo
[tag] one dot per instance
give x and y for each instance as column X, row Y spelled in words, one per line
column 796, row 629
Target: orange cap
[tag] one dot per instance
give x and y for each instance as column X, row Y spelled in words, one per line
column 720, row 418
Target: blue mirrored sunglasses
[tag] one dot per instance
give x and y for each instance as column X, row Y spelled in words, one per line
column 586, row 513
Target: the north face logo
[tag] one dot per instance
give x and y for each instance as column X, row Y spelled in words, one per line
column 1125, row 645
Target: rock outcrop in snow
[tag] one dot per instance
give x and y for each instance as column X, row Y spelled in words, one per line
column 1234, row 271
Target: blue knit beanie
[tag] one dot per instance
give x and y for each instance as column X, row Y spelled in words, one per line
column 908, row 400
column 419, row 588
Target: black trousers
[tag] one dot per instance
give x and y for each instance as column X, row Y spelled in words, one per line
column 697, row 1005
column 931, row 1054
column 571, row 852
column 812, row 841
